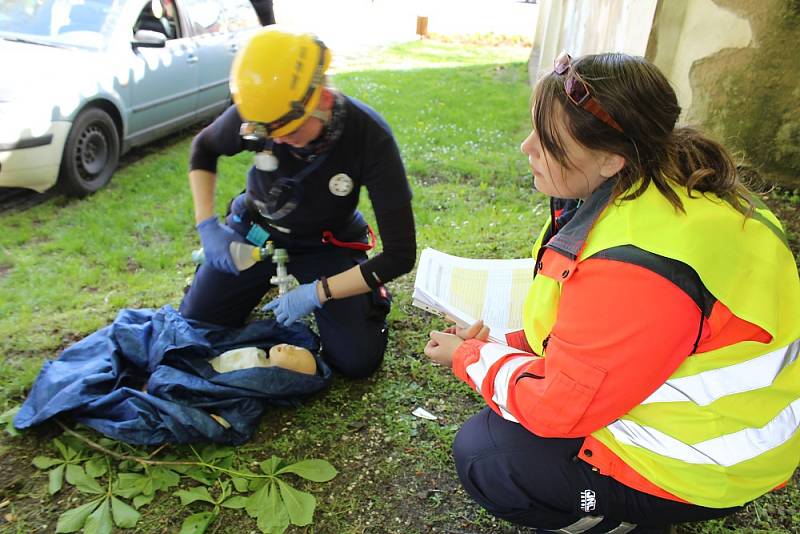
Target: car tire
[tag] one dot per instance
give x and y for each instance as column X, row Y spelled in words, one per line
column 91, row 153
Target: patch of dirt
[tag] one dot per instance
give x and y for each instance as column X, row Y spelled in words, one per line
column 30, row 508
column 132, row 265
column 383, row 488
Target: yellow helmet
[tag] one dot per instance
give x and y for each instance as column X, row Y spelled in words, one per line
column 277, row 78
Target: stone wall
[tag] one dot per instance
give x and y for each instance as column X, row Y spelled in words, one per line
column 750, row 97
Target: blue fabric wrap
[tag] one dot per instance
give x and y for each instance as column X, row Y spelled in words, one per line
column 99, row 381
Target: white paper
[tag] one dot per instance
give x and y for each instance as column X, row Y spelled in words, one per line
column 468, row 289
column 422, row 413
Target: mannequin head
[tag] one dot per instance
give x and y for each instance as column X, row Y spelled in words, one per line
column 293, row 357
column 287, row 356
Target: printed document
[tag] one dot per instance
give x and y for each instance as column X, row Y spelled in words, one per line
column 467, row 289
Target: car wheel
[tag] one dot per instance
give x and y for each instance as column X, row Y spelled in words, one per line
column 91, row 153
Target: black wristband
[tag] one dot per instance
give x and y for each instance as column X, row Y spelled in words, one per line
column 325, row 287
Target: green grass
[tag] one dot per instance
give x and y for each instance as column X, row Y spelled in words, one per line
column 67, row 267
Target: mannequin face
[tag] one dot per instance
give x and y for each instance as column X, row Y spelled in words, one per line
column 293, row 358
column 286, row 356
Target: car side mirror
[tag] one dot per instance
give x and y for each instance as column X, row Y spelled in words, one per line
column 148, row 39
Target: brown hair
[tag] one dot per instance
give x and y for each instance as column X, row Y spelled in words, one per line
column 639, row 97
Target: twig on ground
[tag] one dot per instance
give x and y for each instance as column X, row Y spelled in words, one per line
column 96, row 446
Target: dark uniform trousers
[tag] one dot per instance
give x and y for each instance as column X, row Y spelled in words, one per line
column 540, row 482
column 353, row 331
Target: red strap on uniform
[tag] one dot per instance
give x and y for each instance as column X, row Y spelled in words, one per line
column 327, row 237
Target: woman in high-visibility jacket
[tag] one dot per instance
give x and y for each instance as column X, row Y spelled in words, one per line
column 656, row 379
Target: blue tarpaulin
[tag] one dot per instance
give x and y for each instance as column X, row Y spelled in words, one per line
column 145, row 379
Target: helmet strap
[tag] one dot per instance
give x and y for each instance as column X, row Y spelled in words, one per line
column 324, row 116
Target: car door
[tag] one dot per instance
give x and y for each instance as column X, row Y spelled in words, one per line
column 219, row 28
column 165, row 80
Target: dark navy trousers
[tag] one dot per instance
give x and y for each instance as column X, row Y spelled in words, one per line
column 353, row 331
column 540, row 482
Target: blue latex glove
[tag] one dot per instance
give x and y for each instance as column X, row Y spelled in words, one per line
column 295, row 304
column 216, row 239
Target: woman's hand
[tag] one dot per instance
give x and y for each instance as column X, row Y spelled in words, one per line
column 477, row 330
column 442, row 346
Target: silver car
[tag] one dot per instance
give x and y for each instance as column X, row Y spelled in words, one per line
column 82, row 81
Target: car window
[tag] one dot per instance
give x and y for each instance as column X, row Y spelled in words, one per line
column 159, row 16
column 240, row 15
column 82, row 23
column 206, row 16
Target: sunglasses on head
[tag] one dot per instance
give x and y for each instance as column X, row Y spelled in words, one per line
column 578, row 91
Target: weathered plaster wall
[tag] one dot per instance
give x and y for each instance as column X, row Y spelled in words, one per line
column 750, row 96
column 685, row 31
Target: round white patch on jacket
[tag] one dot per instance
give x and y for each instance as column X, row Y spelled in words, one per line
column 341, row 185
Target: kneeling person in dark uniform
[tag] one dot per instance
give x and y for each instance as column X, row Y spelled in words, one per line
column 315, row 148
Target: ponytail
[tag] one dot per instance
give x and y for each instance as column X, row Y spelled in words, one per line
column 699, row 163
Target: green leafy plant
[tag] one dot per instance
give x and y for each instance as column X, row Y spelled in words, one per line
column 199, row 522
column 82, row 468
column 265, row 496
column 275, row 503
column 7, row 421
column 72, row 455
column 90, row 469
column 101, row 513
column 142, row 486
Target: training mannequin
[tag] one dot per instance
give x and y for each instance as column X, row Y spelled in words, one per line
column 287, row 356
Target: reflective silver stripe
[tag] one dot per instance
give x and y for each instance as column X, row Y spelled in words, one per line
column 706, row 387
column 501, row 384
column 581, row 525
column 490, row 353
column 623, row 528
column 726, row 450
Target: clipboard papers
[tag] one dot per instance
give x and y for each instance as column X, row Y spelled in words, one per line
column 467, row 289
